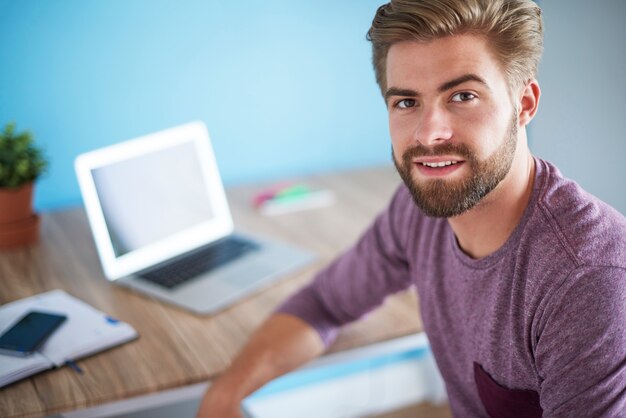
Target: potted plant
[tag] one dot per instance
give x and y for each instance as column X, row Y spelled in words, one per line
column 21, row 163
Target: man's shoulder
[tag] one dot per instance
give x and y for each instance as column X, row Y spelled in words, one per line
column 586, row 229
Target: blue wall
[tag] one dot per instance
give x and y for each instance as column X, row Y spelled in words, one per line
column 285, row 87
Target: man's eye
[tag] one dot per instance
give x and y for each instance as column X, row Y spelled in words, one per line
column 463, row 97
column 405, row 103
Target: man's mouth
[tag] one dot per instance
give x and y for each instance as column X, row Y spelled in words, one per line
column 439, row 164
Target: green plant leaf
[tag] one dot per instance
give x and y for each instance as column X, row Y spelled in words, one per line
column 21, row 161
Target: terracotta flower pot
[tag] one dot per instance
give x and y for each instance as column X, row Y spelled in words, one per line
column 16, row 204
column 18, row 225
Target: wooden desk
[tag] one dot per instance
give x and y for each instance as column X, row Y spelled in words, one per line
column 175, row 347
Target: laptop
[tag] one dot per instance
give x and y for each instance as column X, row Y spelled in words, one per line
column 162, row 226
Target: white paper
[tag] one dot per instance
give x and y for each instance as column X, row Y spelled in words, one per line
column 86, row 331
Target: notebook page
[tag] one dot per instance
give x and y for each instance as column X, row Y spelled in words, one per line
column 85, row 331
column 15, row 368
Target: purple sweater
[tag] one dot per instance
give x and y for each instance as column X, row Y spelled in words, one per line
column 536, row 328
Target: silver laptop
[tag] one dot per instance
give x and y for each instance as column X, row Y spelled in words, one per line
column 159, row 216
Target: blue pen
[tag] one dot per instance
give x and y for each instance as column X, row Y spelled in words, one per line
column 74, row 366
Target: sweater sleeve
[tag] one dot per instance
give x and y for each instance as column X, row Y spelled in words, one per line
column 581, row 350
column 360, row 279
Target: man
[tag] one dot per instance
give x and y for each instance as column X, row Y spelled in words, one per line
column 521, row 275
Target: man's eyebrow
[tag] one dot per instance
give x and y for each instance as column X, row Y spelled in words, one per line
column 395, row 91
column 460, row 80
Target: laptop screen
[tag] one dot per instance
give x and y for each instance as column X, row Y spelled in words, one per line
column 153, row 196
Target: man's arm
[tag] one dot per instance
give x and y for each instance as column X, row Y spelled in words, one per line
column 581, row 349
column 280, row 345
column 354, row 284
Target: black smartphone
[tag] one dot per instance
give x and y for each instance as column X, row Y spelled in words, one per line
column 29, row 333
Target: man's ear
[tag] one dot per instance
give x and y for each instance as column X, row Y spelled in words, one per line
column 528, row 102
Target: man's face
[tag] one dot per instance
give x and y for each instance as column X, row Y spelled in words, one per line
column 452, row 124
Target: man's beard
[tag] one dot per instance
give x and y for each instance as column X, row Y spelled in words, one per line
column 448, row 198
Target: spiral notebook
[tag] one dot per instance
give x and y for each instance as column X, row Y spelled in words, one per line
column 85, row 332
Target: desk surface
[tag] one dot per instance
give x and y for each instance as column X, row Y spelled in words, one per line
column 175, row 347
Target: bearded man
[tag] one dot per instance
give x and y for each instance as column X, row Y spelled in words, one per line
column 521, row 274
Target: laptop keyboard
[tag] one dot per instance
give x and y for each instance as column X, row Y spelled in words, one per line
column 200, row 261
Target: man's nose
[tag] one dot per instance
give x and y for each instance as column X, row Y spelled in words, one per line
column 433, row 127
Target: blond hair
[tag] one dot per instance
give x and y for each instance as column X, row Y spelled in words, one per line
column 513, row 29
